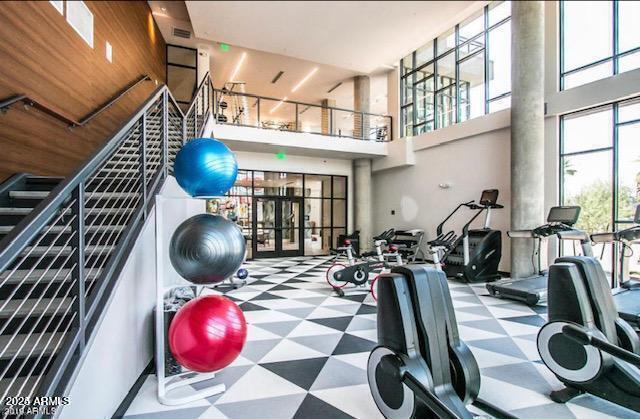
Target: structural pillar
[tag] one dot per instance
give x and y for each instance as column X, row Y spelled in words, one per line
column 361, row 95
column 325, row 116
column 527, row 129
column 362, row 202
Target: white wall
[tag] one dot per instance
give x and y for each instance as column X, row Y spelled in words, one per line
column 301, row 164
column 468, row 166
column 122, row 346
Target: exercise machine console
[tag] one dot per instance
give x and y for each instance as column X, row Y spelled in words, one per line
column 533, row 290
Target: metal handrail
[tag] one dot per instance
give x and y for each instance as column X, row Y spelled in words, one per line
column 227, row 92
column 366, row 130
column 78, row 239
column 60, row 115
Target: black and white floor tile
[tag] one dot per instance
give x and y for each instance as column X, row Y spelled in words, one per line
column 307, row 350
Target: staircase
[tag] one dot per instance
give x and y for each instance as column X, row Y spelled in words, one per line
column 63, row 243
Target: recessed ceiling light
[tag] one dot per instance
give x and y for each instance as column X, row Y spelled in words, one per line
column 278, row 105
column 307, row 77
column 164, row 9
column 237, row 69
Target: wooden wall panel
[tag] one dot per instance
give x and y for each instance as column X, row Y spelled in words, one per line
column 42, row 56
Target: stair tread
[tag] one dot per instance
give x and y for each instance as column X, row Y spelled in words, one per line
column 54, row 250
column 88, row 195
column 38, row 275
column 45, row 305
column 44, row 344
column 58, row 229
column 15, row 383
column 89, row 211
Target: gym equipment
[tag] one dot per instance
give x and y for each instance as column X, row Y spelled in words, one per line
column 474, row 255
column 357, row 271
column 421, row 368
column 533, row 290
column 208, row 333
column 627, row 292
column 409, row 243
column 205, row 167
column 354, row 239
column 207, row 249
column 585, row 344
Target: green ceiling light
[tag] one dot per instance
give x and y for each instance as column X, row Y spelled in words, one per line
column 224, row 47
column 280, row 156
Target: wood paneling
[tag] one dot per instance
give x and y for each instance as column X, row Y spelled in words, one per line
column 42, row 56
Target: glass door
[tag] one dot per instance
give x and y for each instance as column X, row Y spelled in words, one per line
column 277, row 228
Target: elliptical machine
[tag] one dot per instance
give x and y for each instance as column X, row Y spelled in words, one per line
column 585, row 344
column 421, row 368
column 474, row 255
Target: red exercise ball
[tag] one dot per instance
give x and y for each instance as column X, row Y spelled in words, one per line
column 207, row 333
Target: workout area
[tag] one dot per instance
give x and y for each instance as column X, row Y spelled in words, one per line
column 315, row 209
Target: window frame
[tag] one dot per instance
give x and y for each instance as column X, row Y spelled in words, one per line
column 409, row 78
column 614, row 108
column 614, row 59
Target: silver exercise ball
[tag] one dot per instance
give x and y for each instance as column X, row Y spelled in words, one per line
column 206, row 249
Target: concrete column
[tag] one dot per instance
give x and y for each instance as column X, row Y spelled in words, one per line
column 527, row 128
column 362, row 201
column 325, row 116
column 361, row 96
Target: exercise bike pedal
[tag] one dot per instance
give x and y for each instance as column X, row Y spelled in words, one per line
column 565, row 395
column 339, row 291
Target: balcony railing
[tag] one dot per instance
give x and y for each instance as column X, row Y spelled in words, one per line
column 249, row 110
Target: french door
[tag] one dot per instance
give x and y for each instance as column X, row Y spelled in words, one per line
column 277, row 227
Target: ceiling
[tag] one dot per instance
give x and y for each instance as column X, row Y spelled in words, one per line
column 362, row 36
column 297, row 37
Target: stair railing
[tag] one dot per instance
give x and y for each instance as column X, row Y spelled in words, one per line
column 5, row 104
column 70, row 249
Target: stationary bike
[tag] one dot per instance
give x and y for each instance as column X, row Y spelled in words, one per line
column 357, row 271
column 421, row 368
column 437, row 248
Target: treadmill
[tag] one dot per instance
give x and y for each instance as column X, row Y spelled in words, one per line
column 626, row 293
column 533, row 290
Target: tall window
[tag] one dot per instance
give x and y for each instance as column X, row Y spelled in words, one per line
column 462, row 74
column 600, row 169
column 598, row 39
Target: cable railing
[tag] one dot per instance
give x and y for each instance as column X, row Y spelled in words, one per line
column 59, row 265
column 249, row 110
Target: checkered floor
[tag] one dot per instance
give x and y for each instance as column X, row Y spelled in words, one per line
column 307, row 351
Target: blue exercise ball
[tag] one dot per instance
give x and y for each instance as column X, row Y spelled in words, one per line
column 205, row 167
column 207, row 249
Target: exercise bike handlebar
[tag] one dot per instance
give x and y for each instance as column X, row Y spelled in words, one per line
column 584, row 337
column 441, row 225
column 573, row 234
column 520, row 234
